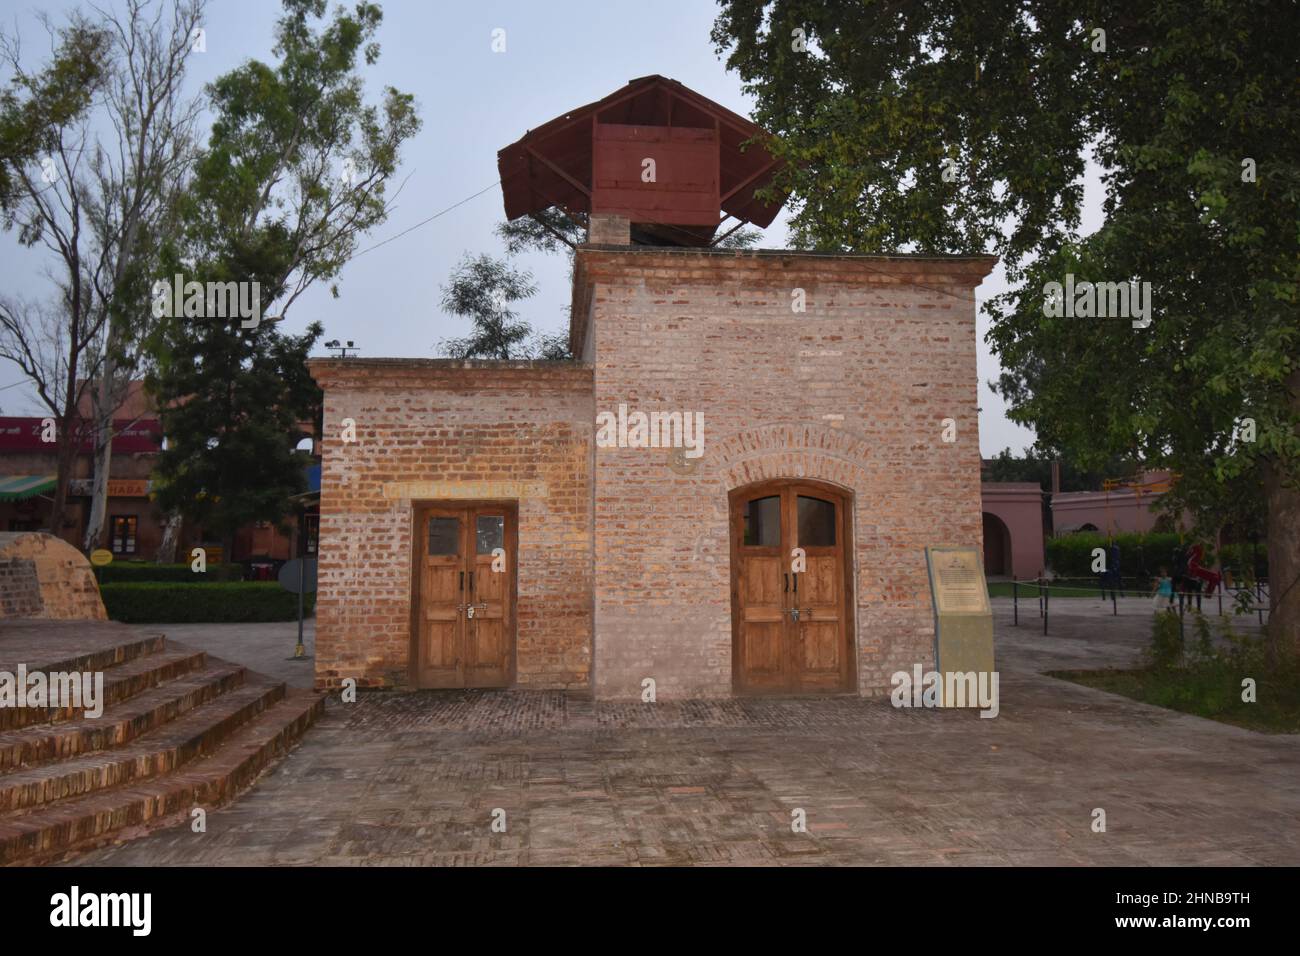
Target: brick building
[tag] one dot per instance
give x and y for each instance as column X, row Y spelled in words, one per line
column 493, row 523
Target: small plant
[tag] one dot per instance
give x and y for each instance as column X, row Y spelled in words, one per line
column 1203, row 652
column 1166, row 650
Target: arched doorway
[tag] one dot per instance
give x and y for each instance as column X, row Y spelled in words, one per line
column 997, row 546
column 791, row 590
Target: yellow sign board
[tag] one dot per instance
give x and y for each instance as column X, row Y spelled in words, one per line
column 99, row 557
column 128, row 488
column 963, row 617
column 957, row 581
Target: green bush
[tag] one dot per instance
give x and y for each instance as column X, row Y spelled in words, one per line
column 1141, row 555
column 132, row 572
column 158, row 602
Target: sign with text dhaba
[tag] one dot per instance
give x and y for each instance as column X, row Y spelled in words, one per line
column 963, row 617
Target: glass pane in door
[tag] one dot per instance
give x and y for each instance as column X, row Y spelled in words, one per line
column 444, row 536
column 490, row 532
column 816, row 523
column 763, row 522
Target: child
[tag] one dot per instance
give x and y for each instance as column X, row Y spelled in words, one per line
column 1164, row 590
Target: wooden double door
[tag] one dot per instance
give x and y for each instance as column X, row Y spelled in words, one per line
column 463, row 608
column 791, row 593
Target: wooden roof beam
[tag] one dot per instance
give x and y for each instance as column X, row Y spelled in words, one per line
column 558, row 171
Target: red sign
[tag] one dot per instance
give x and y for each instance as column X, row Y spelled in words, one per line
column 24, row 434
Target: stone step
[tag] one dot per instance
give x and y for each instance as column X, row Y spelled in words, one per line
column 160, row 751
column 120, row 723
column 121, row 682
column 73, row 645
column 46, row 833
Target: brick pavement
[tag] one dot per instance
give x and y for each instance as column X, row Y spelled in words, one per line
column 413, row 779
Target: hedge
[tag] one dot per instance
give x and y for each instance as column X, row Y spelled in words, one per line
column 158, row 602
column 1143, row 555
column 131, row 572
column 1140, row 555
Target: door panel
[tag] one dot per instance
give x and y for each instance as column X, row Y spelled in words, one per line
column 820, row 624
column 464, row 608
column 763, row 623
column 441, row 566
column 791, row 629
column 487, row 644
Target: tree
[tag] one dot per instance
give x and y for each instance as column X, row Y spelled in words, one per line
column 108, row 191
column 36, row 106
column 482, row 289
column 43, row 136
column 294, row 172
column 139, row 183
column 958, row 127
column 1036, row 467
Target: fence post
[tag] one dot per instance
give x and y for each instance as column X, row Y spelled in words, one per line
column 1114, row 606
column 1015, row 602
column 1047, row 599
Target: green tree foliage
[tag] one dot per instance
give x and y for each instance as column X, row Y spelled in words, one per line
column 482, row 289
column 35, row 105
column 1035, row 467
column 1189, row 107
column 293, row 174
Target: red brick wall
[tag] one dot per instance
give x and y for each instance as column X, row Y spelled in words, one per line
column 440, row 420
column 853, row 391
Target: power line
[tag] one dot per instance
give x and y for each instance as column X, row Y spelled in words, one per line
column 424, row 222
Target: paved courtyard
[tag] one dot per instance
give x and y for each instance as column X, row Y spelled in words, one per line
column 414, row 779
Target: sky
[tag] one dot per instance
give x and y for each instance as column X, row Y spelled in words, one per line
column 558, row 55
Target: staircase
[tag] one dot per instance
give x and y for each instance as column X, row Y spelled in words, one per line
column 179, row 729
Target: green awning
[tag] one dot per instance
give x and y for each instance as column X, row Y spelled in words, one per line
column 18, row 487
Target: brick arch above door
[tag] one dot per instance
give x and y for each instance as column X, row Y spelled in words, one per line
column 792, row 450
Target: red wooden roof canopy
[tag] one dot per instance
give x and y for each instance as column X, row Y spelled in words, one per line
column 553, row 165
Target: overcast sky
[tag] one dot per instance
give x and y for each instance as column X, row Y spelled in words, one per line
column 559, row 55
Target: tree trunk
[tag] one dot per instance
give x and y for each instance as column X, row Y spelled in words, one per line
column 1283, row 559
column 170, row 538
column 1282, row 497
column 99, row 490
column 69, row 440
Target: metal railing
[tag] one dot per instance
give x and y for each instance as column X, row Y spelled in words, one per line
column 1042, row 588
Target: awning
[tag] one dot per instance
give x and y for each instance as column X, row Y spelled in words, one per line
column 19, row 487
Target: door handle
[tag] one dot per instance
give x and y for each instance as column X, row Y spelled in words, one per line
column 787, row 582
column 796, row 582
column 462, row 580
column 471, row 582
